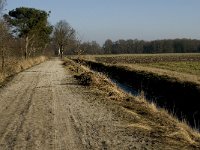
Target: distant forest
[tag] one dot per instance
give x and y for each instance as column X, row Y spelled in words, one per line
column 139, row 46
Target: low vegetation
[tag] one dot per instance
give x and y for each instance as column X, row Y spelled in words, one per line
column 85, row 78
column 14, row 66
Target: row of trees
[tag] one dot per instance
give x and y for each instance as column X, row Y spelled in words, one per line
column 157, row 46
column 138, row 46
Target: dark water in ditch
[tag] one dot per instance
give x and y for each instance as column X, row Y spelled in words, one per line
column 181, row 99
column 126, row 88
column 192, row 119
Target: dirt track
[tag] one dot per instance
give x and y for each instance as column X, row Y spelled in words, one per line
column 43, row 108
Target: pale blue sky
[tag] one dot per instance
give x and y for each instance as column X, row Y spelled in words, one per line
column 123, row 19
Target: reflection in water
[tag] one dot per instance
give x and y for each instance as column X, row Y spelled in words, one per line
column 126, row 88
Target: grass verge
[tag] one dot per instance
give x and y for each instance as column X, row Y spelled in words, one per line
column 14, row 66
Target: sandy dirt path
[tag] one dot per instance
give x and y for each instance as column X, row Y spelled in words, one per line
column 43, row 108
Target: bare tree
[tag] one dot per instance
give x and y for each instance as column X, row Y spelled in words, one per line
column 63, row 34
column 78, row 50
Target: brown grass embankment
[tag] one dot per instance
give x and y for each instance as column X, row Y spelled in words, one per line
column 145, row 118
column 14, row 66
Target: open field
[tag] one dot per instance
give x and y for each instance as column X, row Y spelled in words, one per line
column 189, row 67
column 184, row 63
column 147, row 58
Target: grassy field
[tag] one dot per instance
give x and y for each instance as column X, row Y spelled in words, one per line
column 146, row 58
column 190, row 67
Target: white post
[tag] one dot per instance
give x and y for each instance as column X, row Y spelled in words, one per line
column 59, row 52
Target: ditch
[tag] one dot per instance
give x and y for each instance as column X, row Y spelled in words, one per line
column 179, row 98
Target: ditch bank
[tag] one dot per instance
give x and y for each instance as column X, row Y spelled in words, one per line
column 179, row 98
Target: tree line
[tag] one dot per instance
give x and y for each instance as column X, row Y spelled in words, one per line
column 157, row 46
column 139, row 46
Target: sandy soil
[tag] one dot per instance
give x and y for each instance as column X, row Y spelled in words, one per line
column 44, row 108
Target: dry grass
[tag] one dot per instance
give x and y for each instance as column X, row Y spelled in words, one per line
column 14, row 66
column 160, row 123
column 148, row 119
column 86, row 78
column 95, row 79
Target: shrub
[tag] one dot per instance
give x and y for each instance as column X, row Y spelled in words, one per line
column 85, row 78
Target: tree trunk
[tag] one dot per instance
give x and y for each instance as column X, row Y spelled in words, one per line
column 26, row 47
column 61, row 55
column 3, row 59
column 61, row 51
column 27, row 41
